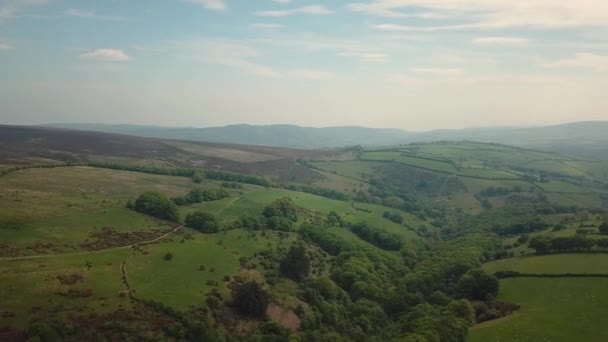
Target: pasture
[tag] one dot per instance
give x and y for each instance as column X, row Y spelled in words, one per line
column 552, row 264
column 552, row 310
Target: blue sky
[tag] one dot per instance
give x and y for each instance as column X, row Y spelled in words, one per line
column 412, row 64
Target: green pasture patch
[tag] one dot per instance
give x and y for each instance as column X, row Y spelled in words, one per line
column 356, row 169
column 197, row 267
column 552, row 264
column 562, row 187
column 552, row 310
column 29, row 283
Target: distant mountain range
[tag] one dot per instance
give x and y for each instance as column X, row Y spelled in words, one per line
column 582, row 138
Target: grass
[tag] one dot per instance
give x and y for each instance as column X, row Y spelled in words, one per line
column 552, row 264
column 181, row 282
column 562, row 187
column 224, row 152
column 29, row 283
column 552, row 310
column 63, row 206
column 356, row 169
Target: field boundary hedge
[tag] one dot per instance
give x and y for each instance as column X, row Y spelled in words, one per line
column 515, row 274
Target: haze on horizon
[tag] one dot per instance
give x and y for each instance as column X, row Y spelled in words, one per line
column 410, row 64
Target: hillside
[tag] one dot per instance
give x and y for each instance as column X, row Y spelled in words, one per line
column 114, row 237
column 582, row 138
column 271, row 135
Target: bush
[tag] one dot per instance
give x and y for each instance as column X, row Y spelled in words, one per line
column 168, row 257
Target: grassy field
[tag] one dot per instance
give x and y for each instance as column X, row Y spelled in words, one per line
column 552, row 264
column 356, row 169
column 64, row 206
column 563, row 187
column 29, row 283
column 197, row 267
column 552, row 310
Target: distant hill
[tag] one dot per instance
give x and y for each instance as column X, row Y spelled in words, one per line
column 582, row 138
column 271, row 135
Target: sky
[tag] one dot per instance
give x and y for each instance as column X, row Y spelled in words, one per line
column 410, row 64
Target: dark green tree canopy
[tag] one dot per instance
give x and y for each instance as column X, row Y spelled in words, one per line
column 250, row 299
column 604, row 228
column 157, row 205
column 477, row 284
column 296, row 264
column 203, row 222
column 283, row 207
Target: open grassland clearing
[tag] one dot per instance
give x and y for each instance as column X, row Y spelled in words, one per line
column 563, row 187
column 552, row 310
column 58, row 209
column 598, row 169
column 340, row 183
column 45, row 283
column 441, row 166
column 222, row 151
column 552, row 264
column 197, row 266
column 356, row 169
column 559, row 166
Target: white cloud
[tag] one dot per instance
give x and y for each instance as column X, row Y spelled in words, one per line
column 501, row 41
column 5, row 46
column 75, row 12
column 309, row 74
column 214, row 5
column 373, row 57
column 106, row 55
column 313, row 9
column 267, row 26
column 12, row 8
column 242, row 57
column 582, row 60
column 492, row 14
column 282, row 1
column 440, row 72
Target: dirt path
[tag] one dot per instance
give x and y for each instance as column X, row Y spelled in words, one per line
column 40, row 256
column 228, row 205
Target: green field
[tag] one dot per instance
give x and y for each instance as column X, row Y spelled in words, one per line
column 181, row 282
column 552, row 264
column 552, row 310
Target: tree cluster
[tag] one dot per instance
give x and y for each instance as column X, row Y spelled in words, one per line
column 395, row 217
column 376, row 236
column 203, row 222
column 198, row 196
column 544, row 244
column 157, row 205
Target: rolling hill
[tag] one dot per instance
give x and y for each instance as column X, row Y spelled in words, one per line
column 583, row 138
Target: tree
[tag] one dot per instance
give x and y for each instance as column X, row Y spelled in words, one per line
column 462, row 309
column 296, row 265
column 604, row 228
column 541, row 243
column 203, row 222
column 168, row 256
column 477, row 285
column 250, row 299
column 157, row 205
column 283, row 207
